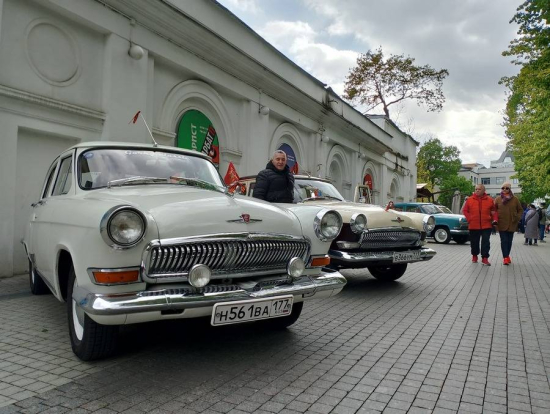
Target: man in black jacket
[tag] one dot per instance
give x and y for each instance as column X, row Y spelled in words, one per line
column 275, row 184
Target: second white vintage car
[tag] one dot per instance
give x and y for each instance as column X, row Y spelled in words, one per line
column 383, row 241
column 129, row 233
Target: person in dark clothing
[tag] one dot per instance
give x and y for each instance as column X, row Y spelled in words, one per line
column 275, row 184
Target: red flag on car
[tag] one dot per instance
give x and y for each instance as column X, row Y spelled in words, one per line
column 135, row 118
column 231, row 175
column 295, row 168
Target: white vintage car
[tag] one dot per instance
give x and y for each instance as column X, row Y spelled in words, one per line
column 129, row 233
column 383, row 241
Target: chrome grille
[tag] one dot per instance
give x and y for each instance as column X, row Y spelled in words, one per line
column 387, row 238
column 224, row 257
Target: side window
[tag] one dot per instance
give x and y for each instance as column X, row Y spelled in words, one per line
column 251, row 188
column 64, row 177
column 49, row 179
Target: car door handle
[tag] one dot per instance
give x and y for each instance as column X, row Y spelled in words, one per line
column 38, row 203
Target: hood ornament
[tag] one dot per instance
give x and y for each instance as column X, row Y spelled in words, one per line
column 398, row 219
column 244, row 218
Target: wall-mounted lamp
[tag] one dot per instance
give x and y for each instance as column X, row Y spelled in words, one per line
column 136, row 52
column 264, row 110
column 325, row 138
column 361, row 155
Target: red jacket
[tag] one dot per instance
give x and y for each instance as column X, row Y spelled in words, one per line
column 480, row 212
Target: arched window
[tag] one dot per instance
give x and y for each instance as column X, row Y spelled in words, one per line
column 195, row 131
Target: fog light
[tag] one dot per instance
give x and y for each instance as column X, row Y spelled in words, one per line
column 296, row 267
column 199, row 276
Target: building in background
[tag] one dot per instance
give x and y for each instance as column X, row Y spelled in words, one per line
column 75, row 71
column 492, row 178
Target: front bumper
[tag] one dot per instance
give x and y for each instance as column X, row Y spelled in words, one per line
column 362, row 259
column 171, row 299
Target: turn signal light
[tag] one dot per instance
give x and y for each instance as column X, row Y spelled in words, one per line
column 320, row 261
column 129, row 276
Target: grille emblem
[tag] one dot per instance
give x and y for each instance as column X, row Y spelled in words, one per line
column 244, row 218
column 399, row 220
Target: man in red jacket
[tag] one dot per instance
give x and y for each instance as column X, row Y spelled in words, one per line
column 481, row 214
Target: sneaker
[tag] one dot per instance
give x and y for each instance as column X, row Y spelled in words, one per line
column 474, row 259
column 485, row 261
column 535, row 244
column 506, row 261
column 526, row 243
column 543, row 241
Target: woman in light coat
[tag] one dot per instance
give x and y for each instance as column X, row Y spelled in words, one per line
column 531, row 226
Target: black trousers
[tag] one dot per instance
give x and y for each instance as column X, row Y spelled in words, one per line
column 485, row 235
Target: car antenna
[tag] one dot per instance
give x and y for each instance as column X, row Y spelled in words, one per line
column 134, row 120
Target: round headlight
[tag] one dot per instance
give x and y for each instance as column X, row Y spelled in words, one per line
column 199, row 276
column 125, row 227
column 327, row 224
column 296, row 267
column 429, row 224
column 358, row 223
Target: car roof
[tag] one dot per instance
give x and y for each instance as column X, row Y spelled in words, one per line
column 149, row 147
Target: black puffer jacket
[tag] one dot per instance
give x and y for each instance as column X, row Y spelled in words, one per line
column 274, row 186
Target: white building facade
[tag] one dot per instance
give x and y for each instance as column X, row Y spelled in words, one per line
column 78, row 70
column 500, row 172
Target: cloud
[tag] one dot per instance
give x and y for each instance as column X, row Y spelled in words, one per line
column 298, row 40
column 250, row 6
column 466, row 37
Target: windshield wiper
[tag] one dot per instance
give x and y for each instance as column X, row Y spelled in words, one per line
column 136, row 180
column 325, row 197
column 199, row 183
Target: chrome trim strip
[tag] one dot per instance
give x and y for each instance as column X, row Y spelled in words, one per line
column 136, row 302
column 370, row 257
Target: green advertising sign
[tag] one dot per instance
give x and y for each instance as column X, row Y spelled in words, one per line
column 196, row 132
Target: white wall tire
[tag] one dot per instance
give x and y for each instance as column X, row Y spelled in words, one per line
column 37, row 285
column 442, row 235
column 89, row 340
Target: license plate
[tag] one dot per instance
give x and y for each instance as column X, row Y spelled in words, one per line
column 251, row 310
column 406, row 256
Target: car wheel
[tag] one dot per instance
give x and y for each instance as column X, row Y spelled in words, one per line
column 460, row 239
column 37, row 284
column 388, row 273
column 89, row 339
column 442, row 235
column 286, row 321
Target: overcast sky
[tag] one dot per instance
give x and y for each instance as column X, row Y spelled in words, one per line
column 466, row 37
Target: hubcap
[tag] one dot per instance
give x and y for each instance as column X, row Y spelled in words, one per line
column 441, row 235
column 78, row 318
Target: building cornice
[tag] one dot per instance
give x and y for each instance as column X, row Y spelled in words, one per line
column 32, row 98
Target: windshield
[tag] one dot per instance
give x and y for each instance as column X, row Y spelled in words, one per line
column 99, row 167
column 308, row 189
column 445, row 210
column 430, row 209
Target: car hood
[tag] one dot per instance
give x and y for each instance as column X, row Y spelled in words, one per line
column 376, row 216
column 181, row 211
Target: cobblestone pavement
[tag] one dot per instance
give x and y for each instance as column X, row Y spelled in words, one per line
column 450, row 336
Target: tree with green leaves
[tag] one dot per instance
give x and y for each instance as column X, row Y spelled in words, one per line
column 377, row 81
column 452, row 183
column 436, row 162
column 527, row 118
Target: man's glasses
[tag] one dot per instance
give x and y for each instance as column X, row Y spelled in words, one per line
column 505, row 188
